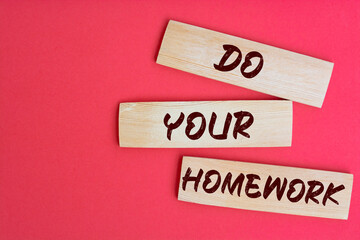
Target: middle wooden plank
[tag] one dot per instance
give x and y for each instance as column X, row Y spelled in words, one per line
column 265, row 123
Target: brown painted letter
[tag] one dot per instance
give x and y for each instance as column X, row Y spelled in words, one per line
column 226, row 126
column 330, row 191
column 311, row 194
column 229, row 50
column 174, row 125
column 292, row 190
column 239, row 128
column 250, row 185
column 196, row 179
column 248, row 63
column 208, row 180
column 191, row 125
column 269, row 187
column 231, row 187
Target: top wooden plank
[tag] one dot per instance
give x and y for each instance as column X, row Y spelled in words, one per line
column 281, row 73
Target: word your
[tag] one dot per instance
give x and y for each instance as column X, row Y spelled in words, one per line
column 270, row 185
column 239, row 127
column 230, row 49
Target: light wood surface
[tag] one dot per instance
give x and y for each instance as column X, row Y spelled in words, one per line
column 271, row 203
column 141, row 124
column 285, row 74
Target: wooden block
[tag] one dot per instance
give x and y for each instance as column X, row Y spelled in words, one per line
column 205, row 124
column 266, row 188
column 245, row 63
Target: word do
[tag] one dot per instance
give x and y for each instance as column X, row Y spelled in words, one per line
column 230, row 49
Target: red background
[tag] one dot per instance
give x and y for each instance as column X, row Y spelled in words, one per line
column 66, row 65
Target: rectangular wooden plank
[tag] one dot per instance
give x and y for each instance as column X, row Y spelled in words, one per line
column 296, row 191
column 283, row 73
column 215, row 124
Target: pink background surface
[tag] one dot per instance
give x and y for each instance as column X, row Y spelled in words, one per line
column 64, row 68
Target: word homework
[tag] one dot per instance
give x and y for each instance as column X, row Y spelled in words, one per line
column 265, row 187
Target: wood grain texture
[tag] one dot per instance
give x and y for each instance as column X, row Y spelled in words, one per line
column 271, row 203
column 141, row 124
column 284, row 74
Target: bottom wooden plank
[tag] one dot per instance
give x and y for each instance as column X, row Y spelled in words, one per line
column 266, row 188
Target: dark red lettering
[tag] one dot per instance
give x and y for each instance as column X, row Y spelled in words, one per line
column 292, row 190
column 229, row 50
column 248, row 63
column 251, row 185
column 196, row 179
column 208, row 180
column 174, row 125
column 231, row 187
column 191, row 125
column 311, row 194
column 330, row 191
column 239, row 128
column 225, row 129
column 269, row 187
